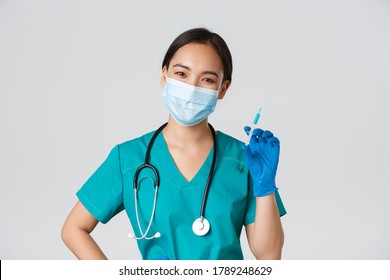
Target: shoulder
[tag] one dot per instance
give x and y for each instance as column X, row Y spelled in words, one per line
column 136, row 143
column 230, row 147
column 132, row 152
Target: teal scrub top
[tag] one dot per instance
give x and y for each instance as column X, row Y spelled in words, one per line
column 230, row 204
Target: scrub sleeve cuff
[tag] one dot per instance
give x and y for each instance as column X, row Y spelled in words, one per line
column 90, row 207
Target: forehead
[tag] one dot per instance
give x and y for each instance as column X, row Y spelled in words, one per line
column 198, row 55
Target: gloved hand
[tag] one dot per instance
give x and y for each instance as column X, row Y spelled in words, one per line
column 262, row 157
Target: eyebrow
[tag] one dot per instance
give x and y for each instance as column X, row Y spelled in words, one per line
column 188, row 68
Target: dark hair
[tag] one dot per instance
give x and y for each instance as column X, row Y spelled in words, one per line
column 203, row 36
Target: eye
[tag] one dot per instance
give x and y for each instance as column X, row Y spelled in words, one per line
column 209, row 80
column 181, row 74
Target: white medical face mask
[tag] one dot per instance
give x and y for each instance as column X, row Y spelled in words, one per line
column 189, row 105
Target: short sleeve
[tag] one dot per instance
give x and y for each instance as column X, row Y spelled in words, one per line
column 102, row 193
column 251, row 205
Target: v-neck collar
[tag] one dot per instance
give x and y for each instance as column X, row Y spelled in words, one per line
column 168, row 168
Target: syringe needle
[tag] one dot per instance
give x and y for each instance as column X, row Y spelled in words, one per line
column 254, row 123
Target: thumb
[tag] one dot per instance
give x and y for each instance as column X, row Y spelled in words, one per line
column 247, row 151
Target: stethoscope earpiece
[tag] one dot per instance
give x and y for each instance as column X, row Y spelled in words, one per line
column 156, row 235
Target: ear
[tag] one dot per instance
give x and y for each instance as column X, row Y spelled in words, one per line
column 163, row 76
column 223, row 90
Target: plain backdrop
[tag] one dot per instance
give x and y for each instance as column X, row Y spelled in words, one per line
column 78, row 77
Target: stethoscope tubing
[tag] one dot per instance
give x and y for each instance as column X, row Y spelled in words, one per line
column 143, row 235
column 210, row 177
column 147, row 164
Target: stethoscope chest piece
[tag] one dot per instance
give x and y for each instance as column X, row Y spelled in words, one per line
column 201, row 226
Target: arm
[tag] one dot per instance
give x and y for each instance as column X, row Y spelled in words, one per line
column 265, row 235
column 76, row 234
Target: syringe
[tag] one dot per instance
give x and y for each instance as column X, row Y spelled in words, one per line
column 254, row 123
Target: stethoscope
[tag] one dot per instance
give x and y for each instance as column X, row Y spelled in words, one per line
column 201, row 225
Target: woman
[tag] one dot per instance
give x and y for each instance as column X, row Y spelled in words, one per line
column 210, row 184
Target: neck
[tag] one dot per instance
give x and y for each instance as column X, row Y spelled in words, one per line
column 186, row 135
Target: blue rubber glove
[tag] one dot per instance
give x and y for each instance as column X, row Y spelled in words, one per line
column 262, row 157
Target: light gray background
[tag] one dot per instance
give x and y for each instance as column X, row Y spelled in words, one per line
column 78, row 77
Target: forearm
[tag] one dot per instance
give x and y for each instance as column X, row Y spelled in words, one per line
column 82, row 245
column 267, row 237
